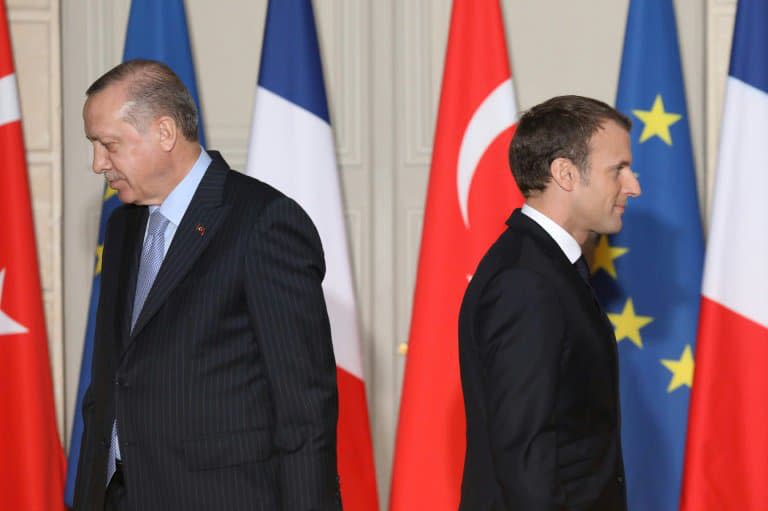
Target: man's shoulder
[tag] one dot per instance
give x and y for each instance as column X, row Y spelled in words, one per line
column 249, row 188
column 522, row 253
column 240, row 188
column 518, row 246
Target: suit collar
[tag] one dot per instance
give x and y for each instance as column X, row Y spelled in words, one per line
column 519, row 222
column 563, row 238
column 203, row 218
column 176, row 203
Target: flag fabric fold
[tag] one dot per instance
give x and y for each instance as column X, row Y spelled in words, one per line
column 157, row 31
column 726, row 460
column 648, row 275
column 31, row 457
column 471, row 193
column 292, row 148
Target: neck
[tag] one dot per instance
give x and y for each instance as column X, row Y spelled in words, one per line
column 557, row 211
column 180, row 162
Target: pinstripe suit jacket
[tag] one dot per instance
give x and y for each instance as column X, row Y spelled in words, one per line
column 225, row 391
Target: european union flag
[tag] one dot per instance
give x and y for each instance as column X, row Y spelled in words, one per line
column 649, row 276
column 157, row 31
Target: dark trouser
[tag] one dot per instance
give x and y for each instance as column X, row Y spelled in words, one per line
column 115, row 496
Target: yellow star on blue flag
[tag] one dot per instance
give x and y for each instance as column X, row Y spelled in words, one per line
column 656, row 121
column 682, row 369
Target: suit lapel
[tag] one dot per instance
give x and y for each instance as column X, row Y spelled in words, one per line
column 135, row 225
column 519, row 220
column 203, row 218
column 549, row 246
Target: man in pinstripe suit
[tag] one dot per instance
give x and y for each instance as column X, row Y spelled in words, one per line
column 213, row 381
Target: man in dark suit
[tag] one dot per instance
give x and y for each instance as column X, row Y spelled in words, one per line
column 213, row 381
column 537, row 353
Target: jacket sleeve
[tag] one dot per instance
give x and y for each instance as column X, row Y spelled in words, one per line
column 284, row 272
column 519, row 326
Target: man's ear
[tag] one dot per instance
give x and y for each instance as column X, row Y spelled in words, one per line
column 564, row 173
column 167, row 132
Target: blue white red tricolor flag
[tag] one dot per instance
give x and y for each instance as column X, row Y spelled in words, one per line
column 292, row 149
column 726, row 462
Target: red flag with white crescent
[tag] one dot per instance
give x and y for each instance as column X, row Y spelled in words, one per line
column 31, row 457
column 471, row 193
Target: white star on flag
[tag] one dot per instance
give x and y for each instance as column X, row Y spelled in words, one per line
column 7, row 324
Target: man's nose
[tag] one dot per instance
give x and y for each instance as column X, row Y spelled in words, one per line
column 101, row 162
column 632, row 184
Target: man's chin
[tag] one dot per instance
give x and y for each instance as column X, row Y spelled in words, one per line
column 613, row 228
column 125, row 196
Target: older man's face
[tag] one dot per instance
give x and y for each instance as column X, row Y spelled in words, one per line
column 127, row 158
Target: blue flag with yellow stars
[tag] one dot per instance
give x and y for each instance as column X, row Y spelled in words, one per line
column 648, row 276
column 157, row 30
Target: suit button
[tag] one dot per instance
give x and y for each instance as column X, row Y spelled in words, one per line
column 620, row 480
column 121, row 382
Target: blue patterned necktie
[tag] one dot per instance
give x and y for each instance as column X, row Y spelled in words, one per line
column 151, row 258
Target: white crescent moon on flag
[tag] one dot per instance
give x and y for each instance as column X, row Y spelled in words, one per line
column 9, row 100
column 494, row 115
column 7, row 324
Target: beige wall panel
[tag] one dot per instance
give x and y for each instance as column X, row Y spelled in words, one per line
column 384, row 43
column 226, row 50
column 341, row 29
column 691, row 22
column 48, row 248
column 343, row 42
column 32, row 54
column 28, row 4
column 721, row 15
column 421, row 43
column 552, row 55
column 35, row 37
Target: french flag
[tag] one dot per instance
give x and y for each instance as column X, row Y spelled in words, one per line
column 292, row 149
column 726, row 465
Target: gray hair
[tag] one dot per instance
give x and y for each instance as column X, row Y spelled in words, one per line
column 152, row 90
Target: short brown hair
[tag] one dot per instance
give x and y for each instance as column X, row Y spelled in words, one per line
column 153, row 89
column 560, row 127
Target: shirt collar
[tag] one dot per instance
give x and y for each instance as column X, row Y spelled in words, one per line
column 565, row 241
column 175, row 205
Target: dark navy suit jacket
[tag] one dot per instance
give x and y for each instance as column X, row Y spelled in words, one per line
column 540, row 379
column 225, row 391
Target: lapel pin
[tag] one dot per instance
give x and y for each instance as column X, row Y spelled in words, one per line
column 200, row 228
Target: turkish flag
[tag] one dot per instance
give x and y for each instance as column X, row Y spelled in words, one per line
column 471, row 193
column 31, row 458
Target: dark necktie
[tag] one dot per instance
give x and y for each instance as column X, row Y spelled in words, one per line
column 583, row 269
